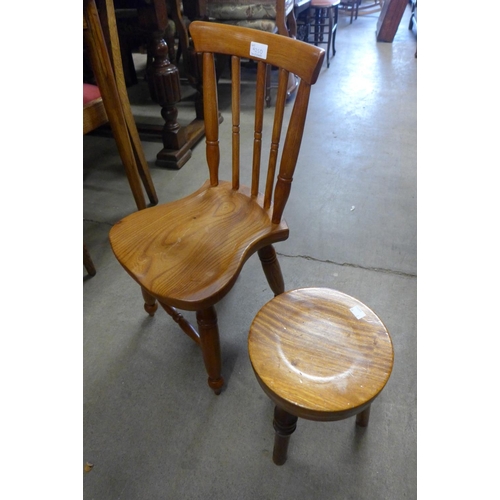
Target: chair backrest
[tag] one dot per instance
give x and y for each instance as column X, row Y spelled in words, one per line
column 289, row 56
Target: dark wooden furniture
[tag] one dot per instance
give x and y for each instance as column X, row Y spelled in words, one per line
column 389, row 19
column 101, row 43
column 165, row 86
column 325, row 16
column 321, row 355
column 188, row 254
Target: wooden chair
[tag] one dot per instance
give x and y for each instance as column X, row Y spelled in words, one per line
column 187, row 254
column 318, row 354
column 109, row 101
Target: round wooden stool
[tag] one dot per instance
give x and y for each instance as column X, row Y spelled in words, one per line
column 318, row 354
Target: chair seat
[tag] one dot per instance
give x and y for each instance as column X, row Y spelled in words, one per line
column 174, row 250
column 320, row 354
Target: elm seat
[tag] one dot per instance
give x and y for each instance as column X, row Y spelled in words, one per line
column 321, row 355
column 188, row 253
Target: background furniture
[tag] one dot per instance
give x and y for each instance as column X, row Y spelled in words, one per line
column 351, row 6
column 273, row 16
column 109, row 99
column 318, row 354
column 324, row 19
column 188, row 254
column 150, row 22
column 389, row 19
column 413, row 16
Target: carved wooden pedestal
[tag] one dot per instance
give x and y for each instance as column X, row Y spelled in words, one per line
column 165, row 87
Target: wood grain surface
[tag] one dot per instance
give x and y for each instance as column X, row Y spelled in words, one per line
column 315, row 358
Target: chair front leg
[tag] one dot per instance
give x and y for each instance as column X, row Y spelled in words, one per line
column 210, row 347
column 272, row 269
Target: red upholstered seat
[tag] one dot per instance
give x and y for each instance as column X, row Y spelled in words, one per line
column 90, row 93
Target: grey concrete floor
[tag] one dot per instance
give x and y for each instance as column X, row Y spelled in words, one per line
column 152, row 427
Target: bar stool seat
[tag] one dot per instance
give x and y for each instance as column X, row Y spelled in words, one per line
column 318, row 354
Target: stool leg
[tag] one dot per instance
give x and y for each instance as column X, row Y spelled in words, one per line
column 284, row 424
column 363, row 417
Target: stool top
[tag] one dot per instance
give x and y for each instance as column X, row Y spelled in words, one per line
column 324, row 3
column 319, row 353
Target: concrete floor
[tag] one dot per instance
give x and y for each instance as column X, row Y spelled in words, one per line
column 152, row 427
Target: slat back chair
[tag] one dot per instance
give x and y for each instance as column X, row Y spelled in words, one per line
column 188, row 253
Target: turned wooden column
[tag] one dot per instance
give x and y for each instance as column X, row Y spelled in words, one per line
column 164, row 86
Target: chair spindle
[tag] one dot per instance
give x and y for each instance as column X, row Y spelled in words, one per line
column 275, row 141
column 236, row 89
column 259, row 120
column 292, row 147
column 211, row 117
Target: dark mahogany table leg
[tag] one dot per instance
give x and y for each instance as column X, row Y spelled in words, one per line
column 284, row 424
column 165, row 89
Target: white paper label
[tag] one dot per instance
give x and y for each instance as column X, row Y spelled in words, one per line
column 358, row 312
column 258, row 50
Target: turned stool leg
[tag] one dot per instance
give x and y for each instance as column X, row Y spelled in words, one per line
column 284, row 424
column 150, row 305
column 363, row 417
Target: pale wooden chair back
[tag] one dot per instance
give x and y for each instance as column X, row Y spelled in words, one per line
column 289, row 56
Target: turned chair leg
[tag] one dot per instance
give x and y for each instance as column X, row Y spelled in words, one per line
column 363, row 417
column 272, row 269
column 284, row 424
column 150, row 305
column 210, row 347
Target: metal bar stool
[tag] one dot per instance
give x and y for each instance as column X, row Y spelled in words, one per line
column 318, row 354
column 324, row 16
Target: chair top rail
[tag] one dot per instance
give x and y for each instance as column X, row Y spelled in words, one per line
column 300, row 58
